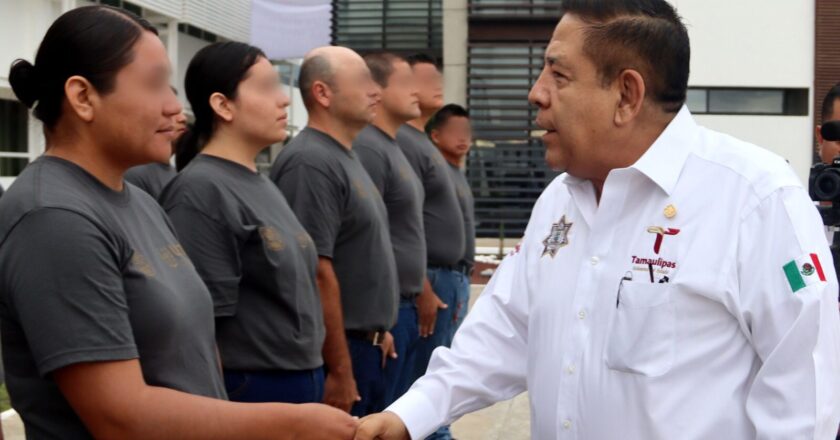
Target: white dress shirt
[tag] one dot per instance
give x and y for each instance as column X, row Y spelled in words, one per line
column 721, row 344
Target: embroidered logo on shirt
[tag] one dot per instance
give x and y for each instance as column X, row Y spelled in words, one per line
column 360, row 189
column 168, row 257
column 271, row 238
column 557, row 238
column 804, row 271
column 660, row 235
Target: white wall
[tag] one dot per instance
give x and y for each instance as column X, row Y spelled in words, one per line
column 755, row 43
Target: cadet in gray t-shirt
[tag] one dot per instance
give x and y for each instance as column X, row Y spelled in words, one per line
column 467, row 203
column 403, row 195
column 256, row 259
column 89, row 274
column 444, row 224
column 335, row 200
column 152, row 177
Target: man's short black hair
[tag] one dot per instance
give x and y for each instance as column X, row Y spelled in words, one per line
column 421, row 58
column 644, row 35
column 381, row 65
column 827, row 110
column 442, row 116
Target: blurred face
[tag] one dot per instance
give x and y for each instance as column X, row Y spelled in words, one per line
column 259, row 110
column 136, row 122
column 355, row 94
column 400, row 97
column 828, row 150
column 430, row 87
column 575, row 109
column 454, row 138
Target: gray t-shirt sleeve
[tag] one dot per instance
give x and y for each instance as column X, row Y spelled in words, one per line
column 317, row 202
column 214, row 250
column 68, row 290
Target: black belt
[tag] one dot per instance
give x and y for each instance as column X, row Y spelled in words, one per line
column 374, row 337
column 460, row 267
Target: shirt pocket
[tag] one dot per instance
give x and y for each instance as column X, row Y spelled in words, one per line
column 642, row 335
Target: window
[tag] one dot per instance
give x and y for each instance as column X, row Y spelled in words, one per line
column 397, row 25
column 748, row 101
column 506, row 167
column 14, row 151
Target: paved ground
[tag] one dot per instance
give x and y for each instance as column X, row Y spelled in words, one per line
column 505, row 421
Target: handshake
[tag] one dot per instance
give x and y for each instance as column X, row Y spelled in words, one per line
column 321, row 422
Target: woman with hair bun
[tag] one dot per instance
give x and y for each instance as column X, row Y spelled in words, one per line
column 107, row 329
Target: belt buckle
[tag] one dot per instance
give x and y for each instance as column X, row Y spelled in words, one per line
column 377, row 338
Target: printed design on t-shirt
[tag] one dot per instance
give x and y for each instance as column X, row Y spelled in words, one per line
column 271, row 238
column 173, row 255
column 405, row 173
column 304, row 240
column 360, row 189
column 139, row 261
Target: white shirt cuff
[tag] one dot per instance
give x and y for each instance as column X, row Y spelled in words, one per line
column 417, row 413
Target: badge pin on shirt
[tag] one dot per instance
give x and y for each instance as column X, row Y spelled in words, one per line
column 557, row 237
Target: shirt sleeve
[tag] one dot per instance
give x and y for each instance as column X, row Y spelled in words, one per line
column 214, row 250
column 486, row 364
column 65, row 287
column 787, row 294
column 316, row 200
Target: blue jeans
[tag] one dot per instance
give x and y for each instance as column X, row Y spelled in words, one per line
column 366, row 359
column 305, row 386
column 462, row 306
column 399, row 371
column 447, row 285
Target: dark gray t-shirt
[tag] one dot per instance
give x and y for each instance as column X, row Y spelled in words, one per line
column 442, row 219
column 403, row 195
column 467, row 203
column 90, row 274
column 256, row 259
column 152, row 177
column 335, row 200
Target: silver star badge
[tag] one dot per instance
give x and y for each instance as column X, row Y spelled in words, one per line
column 557, row 238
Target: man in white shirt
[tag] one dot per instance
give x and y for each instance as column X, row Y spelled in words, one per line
column 674, row 284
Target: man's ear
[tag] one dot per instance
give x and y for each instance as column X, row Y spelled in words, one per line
column 632, row 91
column 322, row 93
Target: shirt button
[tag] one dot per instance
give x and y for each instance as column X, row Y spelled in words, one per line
column 567, row 424
column 595, row 261
column 582, row 314
column 570, row 369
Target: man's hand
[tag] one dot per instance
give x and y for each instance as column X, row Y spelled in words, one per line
column 428, row 305
column 387, row 347
column 382, row 426
column 340, row 391
column 322, row 422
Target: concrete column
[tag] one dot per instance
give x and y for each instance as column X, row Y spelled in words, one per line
column 455, row 35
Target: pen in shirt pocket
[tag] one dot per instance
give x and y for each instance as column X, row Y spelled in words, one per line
column 628, row 276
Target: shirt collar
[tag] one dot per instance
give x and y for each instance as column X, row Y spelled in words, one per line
column 664, row 160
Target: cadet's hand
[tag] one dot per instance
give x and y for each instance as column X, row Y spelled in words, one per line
column 428, row 305
column 340, row 391
column 387, row 347
column 322, row 422
column 382, row 426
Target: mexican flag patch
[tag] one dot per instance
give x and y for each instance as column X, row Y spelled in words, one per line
column 804, row 271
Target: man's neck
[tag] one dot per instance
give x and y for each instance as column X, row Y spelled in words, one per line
column 342, row 132
column 420, row 123
column 388, row 122
column 454, row 159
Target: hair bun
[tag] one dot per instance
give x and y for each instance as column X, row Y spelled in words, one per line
column 23, row 77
